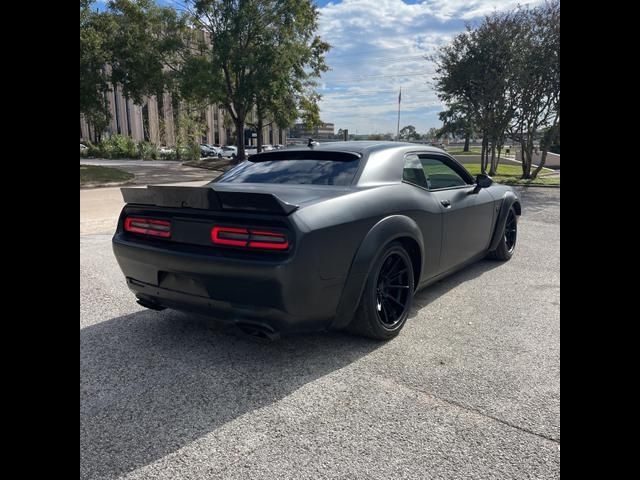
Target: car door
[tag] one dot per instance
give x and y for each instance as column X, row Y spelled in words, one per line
column 467, row 212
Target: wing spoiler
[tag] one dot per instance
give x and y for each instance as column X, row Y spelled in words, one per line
column 206, row 198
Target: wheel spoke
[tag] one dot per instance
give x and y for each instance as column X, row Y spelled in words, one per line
column 396, row 274
column 393, row 290
column 396, row 301
column 393, row 266
column 386, row 314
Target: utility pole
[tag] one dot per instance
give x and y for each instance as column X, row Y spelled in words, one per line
column 398, row 129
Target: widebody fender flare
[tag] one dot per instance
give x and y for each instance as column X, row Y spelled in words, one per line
column 508, row 200
column 386, row 230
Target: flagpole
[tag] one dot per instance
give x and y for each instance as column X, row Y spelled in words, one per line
column 398, row 129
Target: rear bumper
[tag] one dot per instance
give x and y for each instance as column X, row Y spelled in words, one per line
column 283, row 296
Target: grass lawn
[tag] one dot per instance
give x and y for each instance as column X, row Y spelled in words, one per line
column 458, row 151
column 92, row 174
column 510, row 175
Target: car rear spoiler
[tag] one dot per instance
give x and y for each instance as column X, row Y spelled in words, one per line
column 206, row 198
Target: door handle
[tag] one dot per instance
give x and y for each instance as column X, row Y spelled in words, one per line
column 446, row 203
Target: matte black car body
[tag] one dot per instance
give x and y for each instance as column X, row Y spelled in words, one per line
column 335, row 232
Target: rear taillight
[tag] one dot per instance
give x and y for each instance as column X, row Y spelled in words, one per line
column 248, row 237
column 147, row 226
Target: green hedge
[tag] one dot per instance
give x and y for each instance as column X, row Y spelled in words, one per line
column 121, row 146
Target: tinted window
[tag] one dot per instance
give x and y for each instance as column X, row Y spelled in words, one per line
column 413, row 171
column 301, row 171
column 440, row 175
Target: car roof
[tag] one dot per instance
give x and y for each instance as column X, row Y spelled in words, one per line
column 367, row 146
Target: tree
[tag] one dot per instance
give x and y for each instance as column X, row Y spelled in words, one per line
column 93, row 77
column 476, row 72
column 262, row 53
column 506, row 75
column 538, row 85
column 409, row 133
column 457, row 122
column 432, row 134
column 146, row 47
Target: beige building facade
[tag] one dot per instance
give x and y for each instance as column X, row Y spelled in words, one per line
column 154, row 121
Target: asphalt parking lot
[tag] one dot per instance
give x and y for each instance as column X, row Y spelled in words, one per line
column 470, row 388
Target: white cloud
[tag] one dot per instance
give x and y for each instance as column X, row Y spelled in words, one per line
column 378, row 47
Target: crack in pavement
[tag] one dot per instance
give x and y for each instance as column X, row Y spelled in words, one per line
column 479, row 412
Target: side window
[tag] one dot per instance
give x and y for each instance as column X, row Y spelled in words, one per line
column 413, row 171
column 440, row 175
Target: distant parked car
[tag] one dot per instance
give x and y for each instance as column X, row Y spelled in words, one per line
column 166, row 150
column 83, row 149
column 216, row 148
column 267, row 148
column 229, row 151
column 278, row 147
column 207, row 150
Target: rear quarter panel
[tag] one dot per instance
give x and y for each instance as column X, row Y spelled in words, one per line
column 336, row 228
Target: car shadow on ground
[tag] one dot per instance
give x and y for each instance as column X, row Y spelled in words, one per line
column 432, row 292
column 153, row 382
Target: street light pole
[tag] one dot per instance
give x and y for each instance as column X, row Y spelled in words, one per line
column 398, row 129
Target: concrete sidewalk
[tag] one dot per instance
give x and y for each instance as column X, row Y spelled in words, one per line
column 100, row 208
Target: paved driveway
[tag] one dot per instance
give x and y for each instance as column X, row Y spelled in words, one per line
column 470, row 388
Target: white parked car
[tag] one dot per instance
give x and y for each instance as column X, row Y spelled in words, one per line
column 83, row 148
column 229, row 151
column 166, row 150
column 267, row 148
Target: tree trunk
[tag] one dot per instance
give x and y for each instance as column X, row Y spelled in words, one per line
column 260, row 136
column 543, row 160
column 260, row 127
column 527, row 152
column 492, row 170
column 484, row 154
column 545, row 143
column 239, row 140
column 466, row 142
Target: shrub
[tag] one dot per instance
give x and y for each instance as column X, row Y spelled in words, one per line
column 119, row 146
column 95, row 150
column 147, row 150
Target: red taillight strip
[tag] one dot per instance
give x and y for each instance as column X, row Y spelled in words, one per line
column 215, row 236
column 148, row 226
column 219, row 237
column 281, row 244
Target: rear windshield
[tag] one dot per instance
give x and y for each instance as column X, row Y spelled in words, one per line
column 301, row 168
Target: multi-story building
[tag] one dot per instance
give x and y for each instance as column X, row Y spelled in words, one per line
column 154, row 121
column 325, row 130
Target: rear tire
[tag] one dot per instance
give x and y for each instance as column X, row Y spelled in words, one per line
column 506, row 247
column 387, row 297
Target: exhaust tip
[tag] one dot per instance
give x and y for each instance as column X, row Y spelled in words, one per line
column 150, row 305
column 259, row 332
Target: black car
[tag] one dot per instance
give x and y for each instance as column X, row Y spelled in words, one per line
column 336, row 236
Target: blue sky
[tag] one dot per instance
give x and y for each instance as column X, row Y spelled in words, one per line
column 378, row 46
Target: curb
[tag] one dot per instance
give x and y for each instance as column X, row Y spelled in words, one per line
column 89, row 186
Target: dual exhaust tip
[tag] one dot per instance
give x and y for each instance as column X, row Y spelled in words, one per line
column 253, row 330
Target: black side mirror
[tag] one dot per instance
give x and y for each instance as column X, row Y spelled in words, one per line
column 483, row 181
